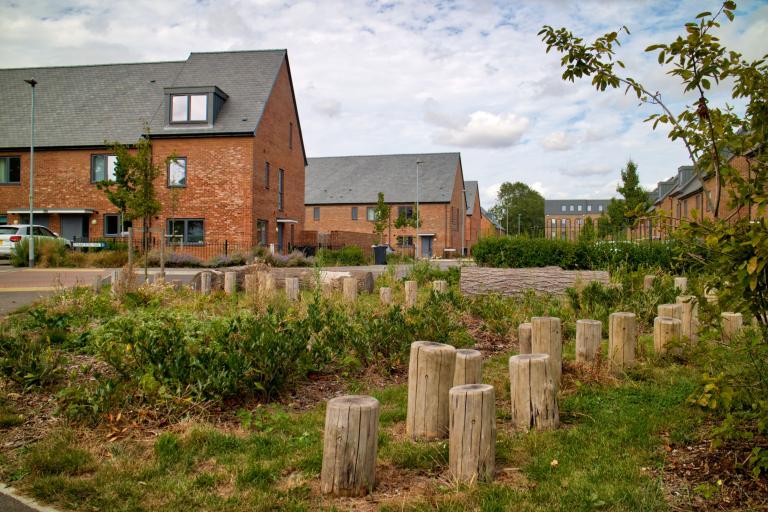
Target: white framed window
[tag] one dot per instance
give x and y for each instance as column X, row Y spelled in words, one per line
column 563, row 208
column 589, row 207
column 578, row 208
column 599, row 207
column 177, row 172
column 189, row 108
column 571, row 208
column 103, row 168
column 370, row 213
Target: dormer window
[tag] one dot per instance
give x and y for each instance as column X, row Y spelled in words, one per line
column 189, row 108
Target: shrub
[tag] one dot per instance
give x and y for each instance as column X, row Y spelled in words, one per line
column 46, row 250
column 516, row 252
column 350, row 255
column 29, row 361
column 294, row 259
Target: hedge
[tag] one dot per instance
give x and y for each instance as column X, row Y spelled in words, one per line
column 518, row 252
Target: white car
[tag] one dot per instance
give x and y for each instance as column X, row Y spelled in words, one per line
column 11, row 234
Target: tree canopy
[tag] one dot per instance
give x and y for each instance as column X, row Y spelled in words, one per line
column 519, row 199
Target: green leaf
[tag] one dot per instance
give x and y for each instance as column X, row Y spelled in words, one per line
column 752, row 265
column 703, row 14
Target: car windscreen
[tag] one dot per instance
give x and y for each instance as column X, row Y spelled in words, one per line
column 8, row 230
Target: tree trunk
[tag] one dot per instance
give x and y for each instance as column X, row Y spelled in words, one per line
column 430, row 377
column 533, row 393
column 666, row 330
column 517, row 281
column 350, row 289
column 205, row 283
column 350, row 441
column 411, row 294
column 589, row 334
column 671, row 310
column 472, row 444
column 385, row 295
column 524, row 338
column 690, row 317
column 731, row 325
column 547, row 338
column 622, row 340
column 469, row 367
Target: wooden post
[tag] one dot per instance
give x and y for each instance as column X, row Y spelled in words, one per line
column 411, row 294
column 648, row 282
column 367, row 283
column 731, row 325
column 251, row 284
column 96, row 284
column 681, row 283
column 440, row 286
column 671, row 310
column 385, row 294
column 267, row 285
column 292, row 288
column 130, row 248
column 115, row 281
column 589, row 334
column 710, row 294
column 349, row 285
column 547, row 338
column 524, row 337
column 469, row 367
column 430, row 376
column 205, row 283
column 350, row 441
column 230, row 283
column 690, row 317
column 472, row 442
column 622, row 340
column 162, row 253
column 666, row 329
column 533, row 393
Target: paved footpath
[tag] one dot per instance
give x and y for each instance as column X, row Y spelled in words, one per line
column 11, row 501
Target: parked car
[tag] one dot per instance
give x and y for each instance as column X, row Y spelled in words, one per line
column 12, row 234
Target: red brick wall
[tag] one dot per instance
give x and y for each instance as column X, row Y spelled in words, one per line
column 472, row 229
column 222, row 187
column 573, row 229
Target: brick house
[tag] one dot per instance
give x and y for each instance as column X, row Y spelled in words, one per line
column 473, row 218
column 489, row 226
column 230, row 118
column 342, row 192
column 564, row 218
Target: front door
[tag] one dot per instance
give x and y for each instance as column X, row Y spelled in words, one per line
column 74, row 227
column 426, row 246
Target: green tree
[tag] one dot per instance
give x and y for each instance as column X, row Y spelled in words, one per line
column 404, row 220
column 516, row 199
column 588, row 233
column 381, row 217
column 635, row 197
column 733, row 250
column 133, row 189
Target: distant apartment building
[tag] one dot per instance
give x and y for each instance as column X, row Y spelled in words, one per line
column 564, row 218
column 341, row 194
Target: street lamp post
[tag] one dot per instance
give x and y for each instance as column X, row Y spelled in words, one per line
column 32, row 82
column 418, row 240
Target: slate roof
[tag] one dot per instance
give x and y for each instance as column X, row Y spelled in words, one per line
column 692, row 186
column 359, row 179
column 86, row 105
column 554, row 206
column 473, row 192
column 488, row 215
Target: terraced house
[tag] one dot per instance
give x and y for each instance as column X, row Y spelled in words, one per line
column 342, row 192
column 230, row 118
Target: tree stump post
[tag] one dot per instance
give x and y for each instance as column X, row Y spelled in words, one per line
column 205, row 283
column 292, row 288
column 533, row 393
column 115, row 281
column 385, row 295
column 681, row 283
column 648, row 282
column 666, row 330
column 731, row 325
column 622, row 340
column 469, row 367
column 430, row 377
column 524, row 332
column 690, row 317
column 267, row 285
column 547, row 338
column 472, row 441
column 350, row 441
column 251, row 284
column 96, row 284
column 411, row 294
column 230, row 283
column 589, row 334
column 440, row 286
column 670, row 310
column 367, row 283
column 349, row 286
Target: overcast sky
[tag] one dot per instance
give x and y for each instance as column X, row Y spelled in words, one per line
column 401, row 77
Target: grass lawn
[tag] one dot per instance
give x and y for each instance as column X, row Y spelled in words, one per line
column 606, row 455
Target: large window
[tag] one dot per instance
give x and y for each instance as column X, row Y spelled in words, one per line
column 186, row 108
column 562, row 208
column 405, row 211
column 177, row 172
column 185, row 231
column 354, row 213
column 563, row 228
column 553, row 228
column 10, row 170
column 280, row 189
column 266, row 174
column 316, row 213
column 589, row 207
column 370, row 213
column 261, row 232
column 114, row 225
column 405, row 241
column 103, row 167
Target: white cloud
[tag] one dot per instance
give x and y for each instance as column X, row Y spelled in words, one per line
column 484, row 130
column 557, row 141
column 594, row 170
column 328, row 107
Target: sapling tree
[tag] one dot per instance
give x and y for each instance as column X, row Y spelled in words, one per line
column 381, row 217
